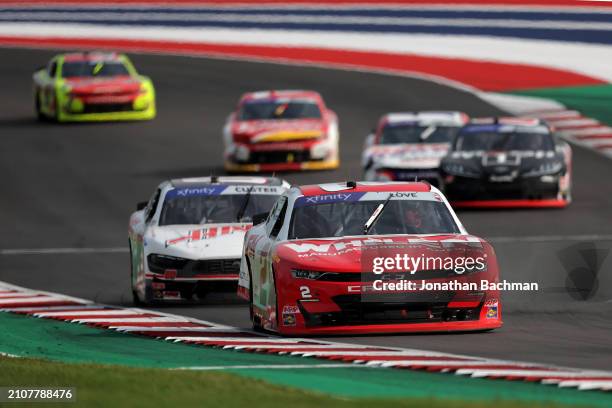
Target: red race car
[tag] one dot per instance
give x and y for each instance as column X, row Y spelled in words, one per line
column 367, row 257
column 280, row 131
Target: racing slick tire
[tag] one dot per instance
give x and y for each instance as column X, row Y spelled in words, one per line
column 56, row 112
column 278, row 312
column 135, row 297
column 256, row 325
column 568, row 193
column 39, row 115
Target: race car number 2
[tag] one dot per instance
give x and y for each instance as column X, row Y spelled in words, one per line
column 305, row 292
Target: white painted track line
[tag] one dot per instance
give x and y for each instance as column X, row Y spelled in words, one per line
column 269, row 367
column 60, row 251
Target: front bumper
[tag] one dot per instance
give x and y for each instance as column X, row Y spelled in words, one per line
column 141, row 108
column 438, row 327
column 236, row 167
column 339, row 308
column 533, row 203
column 313, row 154
column 178, row 291
column 192, row 280
column 523, row 192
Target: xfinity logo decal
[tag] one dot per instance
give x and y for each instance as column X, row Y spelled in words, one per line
column 196, row 191
column 329, row 197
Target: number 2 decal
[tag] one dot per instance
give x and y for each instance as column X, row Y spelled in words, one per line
column 305, row 291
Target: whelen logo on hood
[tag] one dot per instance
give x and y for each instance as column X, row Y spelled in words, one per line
column 208, row 233
column 336, row 248
column 344, row 246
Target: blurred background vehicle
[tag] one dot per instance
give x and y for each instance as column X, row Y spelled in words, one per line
column 409, row 146
column 281, row 130
column 92, row 86
column 508, row 162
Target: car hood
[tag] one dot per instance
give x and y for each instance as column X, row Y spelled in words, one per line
column 119, row 84
column 408, row 156
column 207, row 241
column 263, row 131
column 355, row 254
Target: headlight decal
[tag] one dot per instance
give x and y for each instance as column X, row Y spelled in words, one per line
column 459, row 169
column 307, row 274
column 548, row 168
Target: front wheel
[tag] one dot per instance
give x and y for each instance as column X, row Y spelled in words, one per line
column 39, row 115
column 57, row 113
column 135, row 297
column 255, row 321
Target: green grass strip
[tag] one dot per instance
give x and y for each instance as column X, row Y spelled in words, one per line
column 73, row 343
column 593, row 101
column 69, row 342
column 117, row 386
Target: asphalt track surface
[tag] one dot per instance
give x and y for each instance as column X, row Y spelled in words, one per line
column 74, row 186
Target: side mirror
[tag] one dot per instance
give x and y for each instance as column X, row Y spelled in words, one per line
column 141, row 205
column 259, row 218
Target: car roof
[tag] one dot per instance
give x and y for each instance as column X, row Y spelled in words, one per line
column 228, row 180
column 92, row 56
column 364, row 186
column 501, row 123
column 450, row 118
column 281, row 93
column 508, row 120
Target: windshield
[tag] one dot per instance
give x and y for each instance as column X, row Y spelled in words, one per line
column 348, row 218
column 279, row 109
column 414, row 133
column 525, row 141
column 208, row 209
column 93, row 69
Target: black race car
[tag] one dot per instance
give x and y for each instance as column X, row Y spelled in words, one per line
column 507, row 162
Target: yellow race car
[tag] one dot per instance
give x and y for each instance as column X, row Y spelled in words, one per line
column 92, row 86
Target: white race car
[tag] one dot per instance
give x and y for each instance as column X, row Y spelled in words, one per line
column 410, row 146
column 189, row 235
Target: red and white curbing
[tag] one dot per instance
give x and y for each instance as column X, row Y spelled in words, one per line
column 15, row 299
column 579, row 129
column 569, row 123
